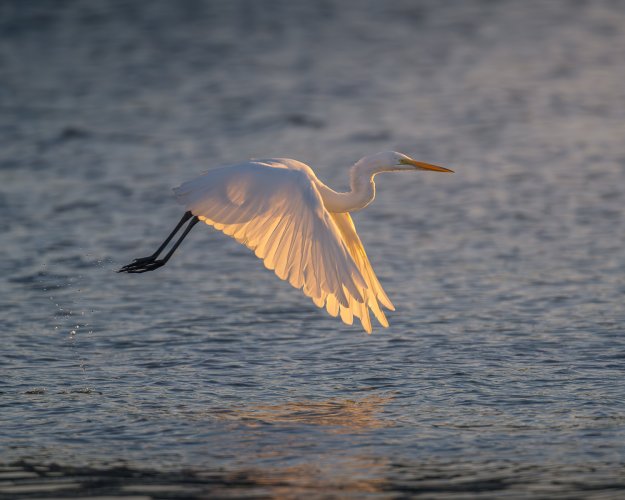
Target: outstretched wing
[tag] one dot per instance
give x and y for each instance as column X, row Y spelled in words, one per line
column 373, row 292
column 278, row 213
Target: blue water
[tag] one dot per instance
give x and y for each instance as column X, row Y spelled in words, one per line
column 502, row 372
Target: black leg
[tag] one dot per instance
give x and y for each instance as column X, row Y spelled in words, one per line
column 193, row 222
column 185, row 218
column 150, row 263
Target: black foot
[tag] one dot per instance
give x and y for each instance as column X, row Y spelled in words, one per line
column 142, row 265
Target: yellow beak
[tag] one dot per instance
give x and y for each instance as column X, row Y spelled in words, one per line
column 424, row 166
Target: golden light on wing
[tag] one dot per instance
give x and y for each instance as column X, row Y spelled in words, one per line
column 278, row 214
column 373, row 293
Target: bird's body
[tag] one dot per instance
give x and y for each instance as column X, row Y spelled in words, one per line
column 297, row 225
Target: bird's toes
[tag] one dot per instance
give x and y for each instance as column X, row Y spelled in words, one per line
column 155, row 265
column 137, row 264
column 142, row 267
column 128, row 268
column 142, row 260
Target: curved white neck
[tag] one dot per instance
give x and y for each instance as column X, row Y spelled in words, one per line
column 362, row 190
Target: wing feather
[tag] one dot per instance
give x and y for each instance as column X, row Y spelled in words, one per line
column 373, row 293
column 347, row 316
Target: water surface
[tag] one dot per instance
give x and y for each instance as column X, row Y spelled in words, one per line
column 502, row 371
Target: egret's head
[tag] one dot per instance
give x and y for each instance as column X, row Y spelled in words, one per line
column 392, row 161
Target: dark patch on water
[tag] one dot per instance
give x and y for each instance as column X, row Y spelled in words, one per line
column 24, row 480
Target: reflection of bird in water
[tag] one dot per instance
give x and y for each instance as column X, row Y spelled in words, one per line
column 345, row 415
column 299, row 227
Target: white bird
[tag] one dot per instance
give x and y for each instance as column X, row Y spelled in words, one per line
column 297, row 225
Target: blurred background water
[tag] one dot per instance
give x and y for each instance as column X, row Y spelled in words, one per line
column 502, row 371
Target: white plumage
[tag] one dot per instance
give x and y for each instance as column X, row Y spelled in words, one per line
column 298, row 226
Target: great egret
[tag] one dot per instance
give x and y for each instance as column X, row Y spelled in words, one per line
column 299, row 227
